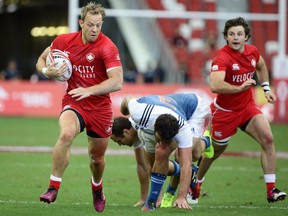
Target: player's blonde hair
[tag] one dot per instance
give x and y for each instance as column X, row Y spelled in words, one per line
column 92, row 8
column 124, row 105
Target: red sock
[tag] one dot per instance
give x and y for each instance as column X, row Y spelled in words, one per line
column 55, row 184
column 94, row 188
column 270, row 185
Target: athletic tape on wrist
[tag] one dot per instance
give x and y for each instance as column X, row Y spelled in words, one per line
column 265, row 86
column 44, row 72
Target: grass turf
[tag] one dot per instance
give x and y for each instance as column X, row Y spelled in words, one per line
column 233, row 186
column 20, row 131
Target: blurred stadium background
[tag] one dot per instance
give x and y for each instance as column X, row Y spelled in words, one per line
column 172, row 40
column 181, row 37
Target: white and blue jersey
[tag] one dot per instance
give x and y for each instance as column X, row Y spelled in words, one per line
column 145, row 110
column 183, row 104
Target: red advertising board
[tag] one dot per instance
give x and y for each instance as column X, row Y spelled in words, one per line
column 44, row 98
column 280, row 83
column 31, row 99
column 281, row 105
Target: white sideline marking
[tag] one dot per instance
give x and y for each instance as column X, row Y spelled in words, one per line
column 74, row 150
column 81, row 150
column 195, row 206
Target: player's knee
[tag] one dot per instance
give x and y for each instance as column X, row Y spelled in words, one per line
column 67, row 135
column 96, row 159
column 219, row 148
column 267, row 139
column 216, row 154
column 196, row 156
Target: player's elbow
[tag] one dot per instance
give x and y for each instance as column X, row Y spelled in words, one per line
column 213, row 89
column 215, row 86
column 118, row 84
column 117, row 87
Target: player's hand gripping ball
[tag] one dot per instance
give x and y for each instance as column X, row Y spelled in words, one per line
column 61, row 58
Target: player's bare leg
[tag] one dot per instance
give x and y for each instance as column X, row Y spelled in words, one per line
column 159, row 170
column 97, row 149
column 69, row 128
column 204, row 167
column 260, row 130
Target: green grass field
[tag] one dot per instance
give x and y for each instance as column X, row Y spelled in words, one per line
column 233, row 186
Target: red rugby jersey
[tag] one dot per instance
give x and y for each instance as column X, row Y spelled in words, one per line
column 239, row 67
column 90, row 62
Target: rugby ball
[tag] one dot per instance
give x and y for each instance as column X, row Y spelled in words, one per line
column 61, row 58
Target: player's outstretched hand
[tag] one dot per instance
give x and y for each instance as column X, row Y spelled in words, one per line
column 139, row 203
column 271, row 98
column 182, row 203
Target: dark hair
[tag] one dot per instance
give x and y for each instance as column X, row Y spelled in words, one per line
column 119, row 124
column 166, row 126
column 237, row 22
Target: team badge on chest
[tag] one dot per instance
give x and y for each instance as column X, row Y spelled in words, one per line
column 253, row 63
column 90, row 57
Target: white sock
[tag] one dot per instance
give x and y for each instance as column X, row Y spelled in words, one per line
column 54, row 178
column 96, row 184
column 201, row 180
column 269, row 178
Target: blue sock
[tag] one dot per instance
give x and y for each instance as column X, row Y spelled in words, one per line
column 176, row 168
column 171, row 190
column 206, row 139
column 194, row 175
column 157, row 181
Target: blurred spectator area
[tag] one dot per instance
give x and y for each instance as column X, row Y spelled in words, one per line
column 265, row 34
column 183, row 47
column 201, row 37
